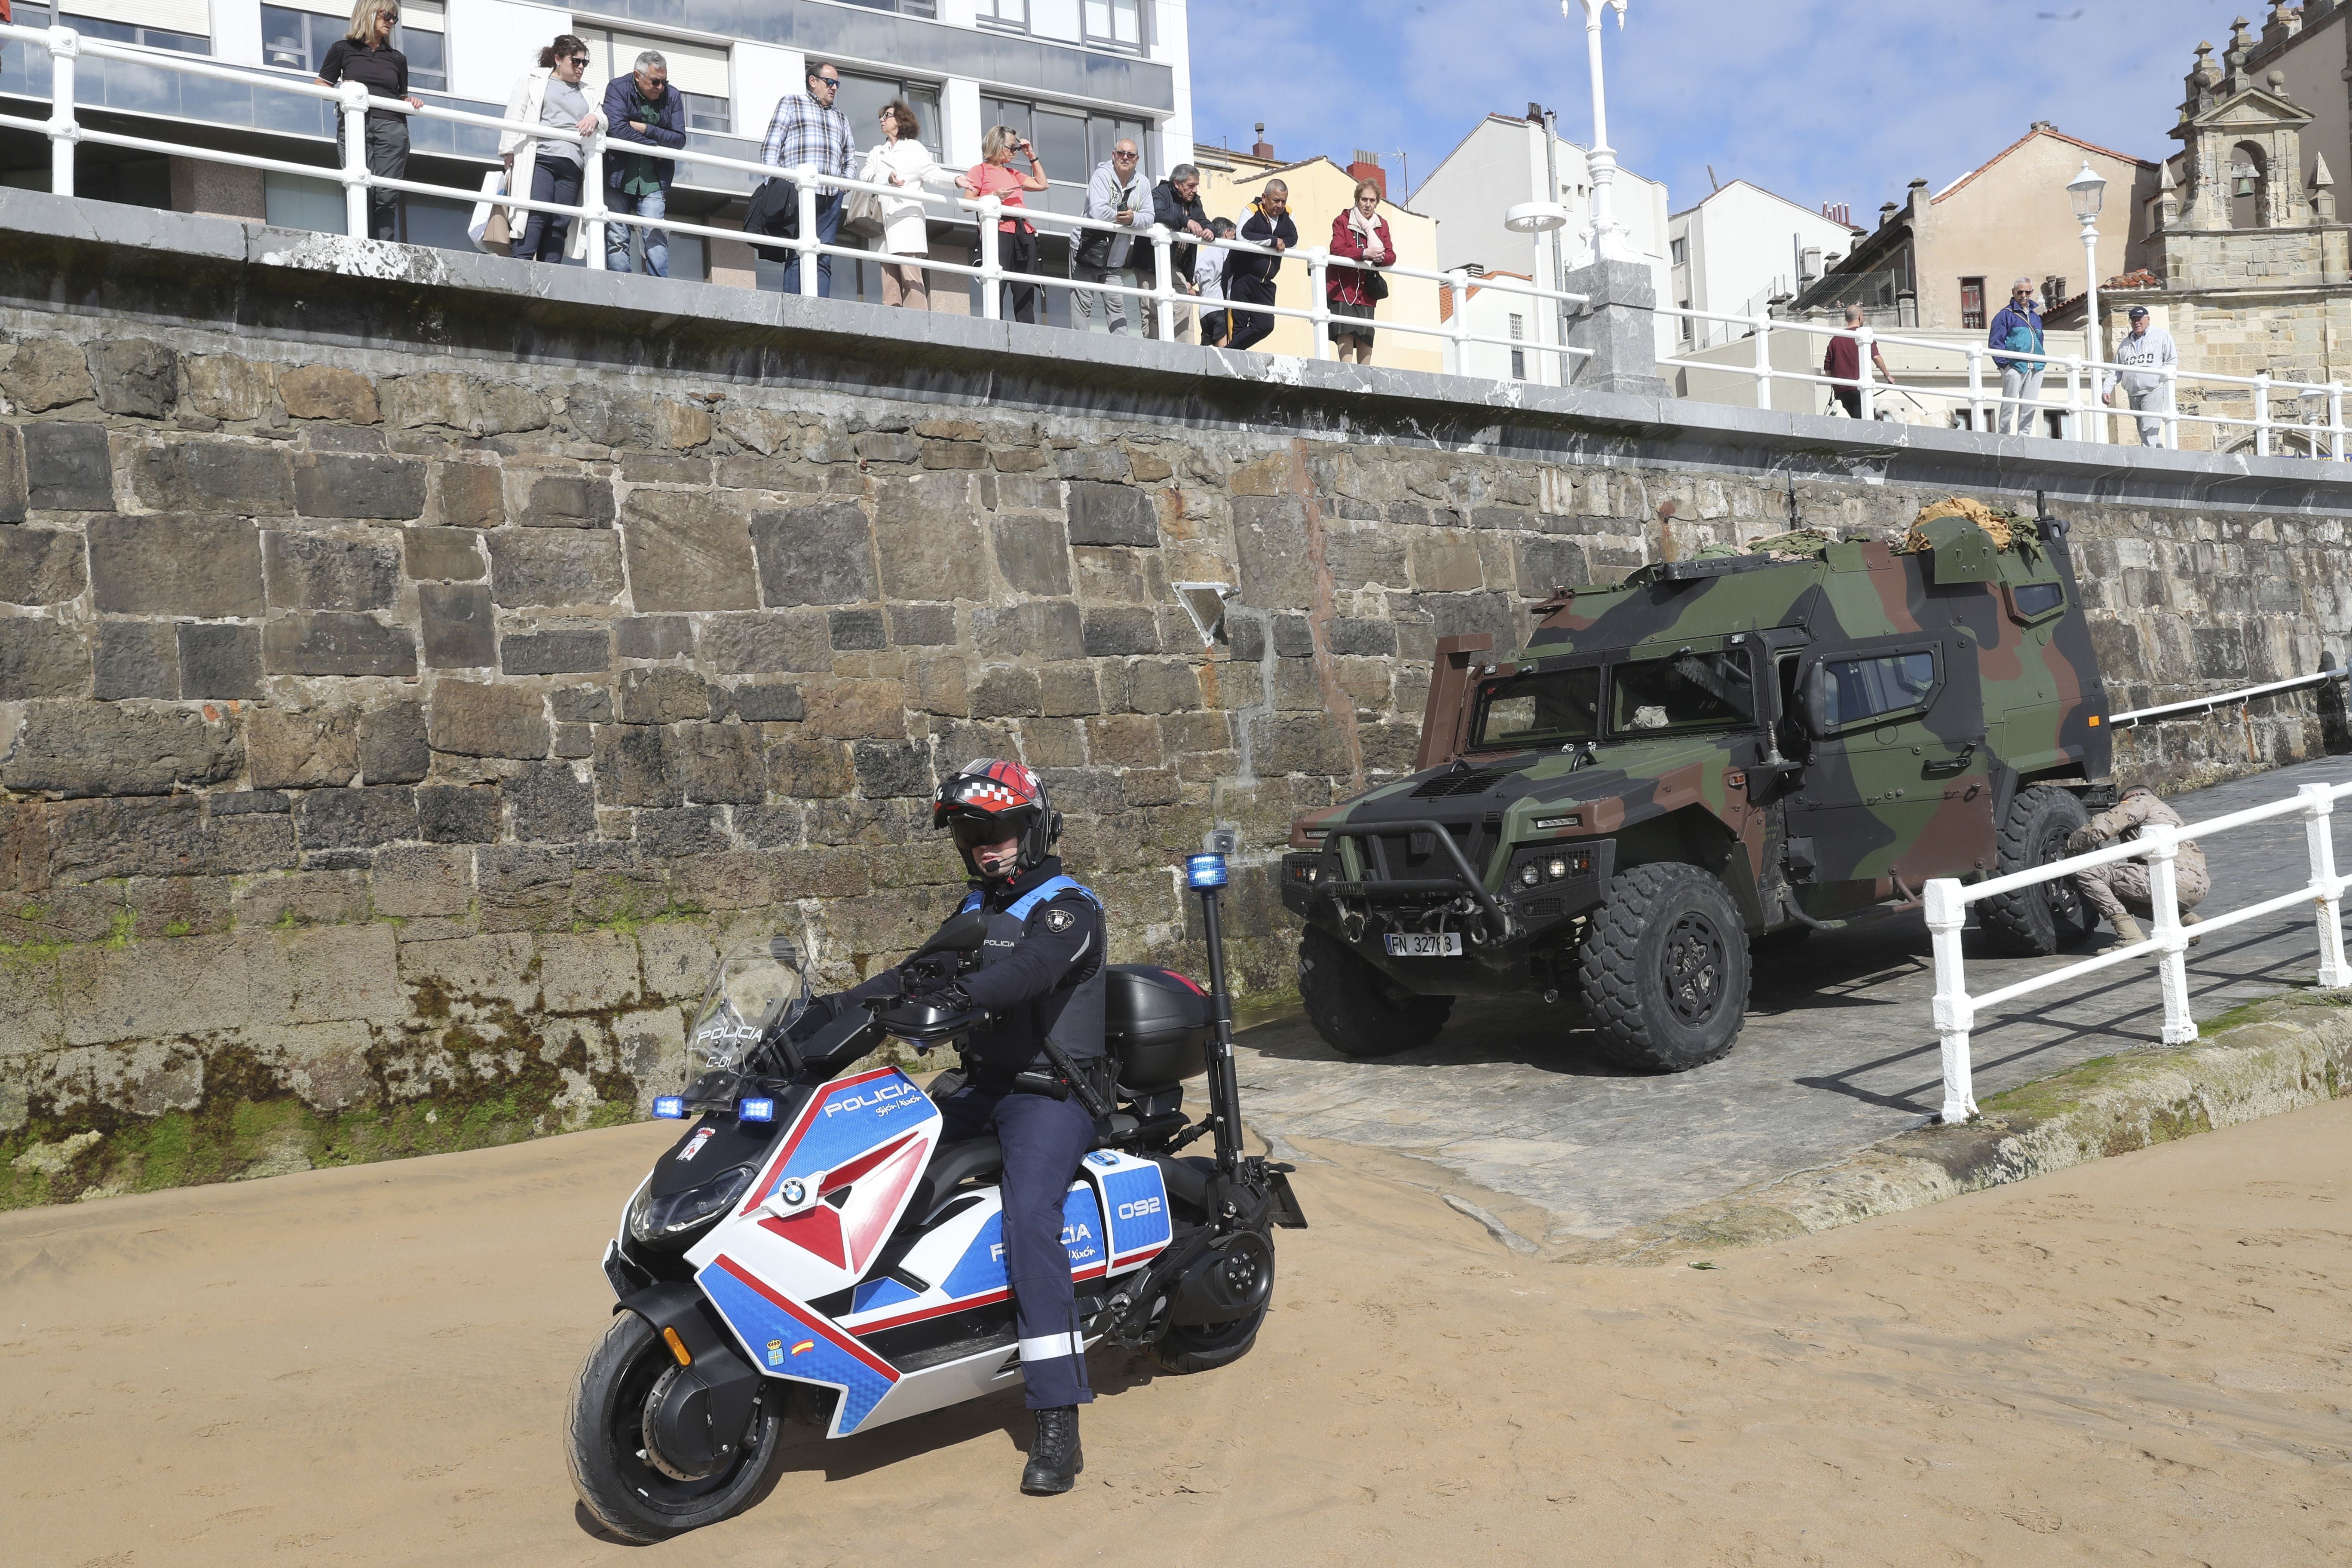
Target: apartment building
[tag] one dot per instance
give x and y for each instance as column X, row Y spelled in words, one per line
column 1073, row 75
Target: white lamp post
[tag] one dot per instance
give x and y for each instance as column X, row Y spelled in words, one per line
column 1611, row 240
column 2090, row 192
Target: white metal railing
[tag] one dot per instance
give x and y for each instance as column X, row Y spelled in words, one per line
column 1946, row 899
column 2238, row 698
column 2318, row 406
column 1164, row 295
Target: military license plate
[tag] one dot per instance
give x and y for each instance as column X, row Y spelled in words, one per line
column 1423, row 945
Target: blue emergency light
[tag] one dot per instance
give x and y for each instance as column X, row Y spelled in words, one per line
column 755, row 1111
column 1205, row 872
column 671, row 1107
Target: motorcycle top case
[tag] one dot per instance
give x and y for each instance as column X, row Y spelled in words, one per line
column 1157, row 1024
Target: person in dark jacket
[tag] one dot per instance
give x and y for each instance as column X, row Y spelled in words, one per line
column 1043, row 981
column 1842, row 363
column 643, row 110
column 365, row 56
column 1249, row 279
column 1176, row 206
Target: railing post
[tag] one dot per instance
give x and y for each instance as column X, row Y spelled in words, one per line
column 2171, row 940
column 593, row 210
column 2172, row 408
column 1457, row 346
column 2075, row 406
column 355, row 174
column 65, row 131
column 1954, row 1014
column 2335, row 421
column 992, row 259
column 2261, row 414
column 1975, row 389
column 2327, row 888
column 804, row 184
column 1319, row 274
column 1763, row 362
column 1864, row 339
column 1164, row 274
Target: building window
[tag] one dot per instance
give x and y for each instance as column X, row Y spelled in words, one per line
column 182, row 25
column 1519, row 356
column 697, row 71
column 861, row 99
column 1973, row 311
column 1681, row 251
column 1100, row 24
column 1070, row 141
column 1685, row 320
column 298, row 38
column 904, row 7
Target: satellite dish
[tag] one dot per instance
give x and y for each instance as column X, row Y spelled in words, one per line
column 1536, row 218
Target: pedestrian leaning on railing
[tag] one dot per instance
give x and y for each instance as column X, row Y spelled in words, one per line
column 1360, row 234
column 546, row 168
column 1176, row 207
column 644, row 111
column 1209, row 283
column 1115, row 195
column 1249, row 277
column 2017, row 329
column 365, row 55
column 1016, row 237
column 808, row 133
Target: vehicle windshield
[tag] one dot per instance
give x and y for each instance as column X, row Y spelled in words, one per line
column 1683, row 692
column 749, row 992
column 1546, row 706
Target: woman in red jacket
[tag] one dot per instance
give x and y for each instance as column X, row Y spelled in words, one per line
column 1360, row 234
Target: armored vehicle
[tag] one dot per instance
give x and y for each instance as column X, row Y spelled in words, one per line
column 1708, row 762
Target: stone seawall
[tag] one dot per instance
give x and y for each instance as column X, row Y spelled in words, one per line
column 414, row 669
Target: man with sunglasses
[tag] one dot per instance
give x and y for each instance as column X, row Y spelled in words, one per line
column 808, row 129
column 1113, row 196
column 2018, row 328
column 1040, row 1068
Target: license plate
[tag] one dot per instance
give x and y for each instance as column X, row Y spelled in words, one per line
column 1423, row 945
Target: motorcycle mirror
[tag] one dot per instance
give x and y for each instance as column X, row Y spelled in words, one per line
column 1815, row 706
column 964, row 933
column 781, row 949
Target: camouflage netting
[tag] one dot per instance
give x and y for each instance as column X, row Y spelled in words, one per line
column 2005, row 528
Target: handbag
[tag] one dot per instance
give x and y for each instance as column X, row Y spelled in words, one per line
column 487, row 226
column 864, row 218
column 775, row 211
column 1376, row 287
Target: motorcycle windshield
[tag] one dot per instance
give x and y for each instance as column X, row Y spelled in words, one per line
column 749, row 993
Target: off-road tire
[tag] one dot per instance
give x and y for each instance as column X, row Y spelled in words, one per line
column 2036, row 922
column 1665, row 968
column 603, row 1435
column 1355, row 1007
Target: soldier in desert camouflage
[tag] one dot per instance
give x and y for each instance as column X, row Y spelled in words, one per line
column 2120, row 891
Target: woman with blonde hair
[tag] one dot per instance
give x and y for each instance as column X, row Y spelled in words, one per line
column 548, row 169
column 1360, row 234
column 901, row 159
column 1016, row 240
column 365, row 55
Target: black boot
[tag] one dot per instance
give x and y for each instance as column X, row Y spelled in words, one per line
column 1054, row 1456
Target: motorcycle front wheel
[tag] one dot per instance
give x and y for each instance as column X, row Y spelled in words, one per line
column 605, row 1443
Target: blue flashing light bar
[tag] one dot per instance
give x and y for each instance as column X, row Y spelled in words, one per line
column 1205, row 872
column 670, row 1107
column 755, row 1109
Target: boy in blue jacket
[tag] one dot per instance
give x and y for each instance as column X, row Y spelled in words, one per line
column 2017, row 329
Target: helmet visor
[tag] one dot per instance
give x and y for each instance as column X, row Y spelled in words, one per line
column 971, row 830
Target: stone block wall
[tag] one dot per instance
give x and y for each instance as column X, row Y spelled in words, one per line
column 391, row 736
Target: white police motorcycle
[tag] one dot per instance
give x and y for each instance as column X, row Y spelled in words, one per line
column 810, row 1237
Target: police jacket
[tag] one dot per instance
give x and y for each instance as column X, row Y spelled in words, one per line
column 1041, row 972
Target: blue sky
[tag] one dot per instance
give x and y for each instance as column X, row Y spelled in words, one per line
column 1817, row 99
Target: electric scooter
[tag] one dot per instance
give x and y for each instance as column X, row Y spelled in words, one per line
column 810, row 1241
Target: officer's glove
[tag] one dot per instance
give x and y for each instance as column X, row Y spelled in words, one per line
column 820, row 1012
column 927, row 972
column 2081, row 841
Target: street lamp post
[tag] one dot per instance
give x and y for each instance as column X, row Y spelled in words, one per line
column 1611, row 240
column 2089, row 193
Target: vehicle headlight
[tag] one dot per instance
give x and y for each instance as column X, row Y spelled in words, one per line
column 662, row 1221
column 1556, row 867
column 1530, row 876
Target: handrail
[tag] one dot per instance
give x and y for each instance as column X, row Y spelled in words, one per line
column 2224, row 699
column 1947, row 898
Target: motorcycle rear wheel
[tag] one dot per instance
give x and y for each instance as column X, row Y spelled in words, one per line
column 605, row 1443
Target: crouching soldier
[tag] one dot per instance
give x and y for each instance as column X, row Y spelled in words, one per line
column 2120, row 891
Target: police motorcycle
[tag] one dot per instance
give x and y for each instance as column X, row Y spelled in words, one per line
column 810, row 1241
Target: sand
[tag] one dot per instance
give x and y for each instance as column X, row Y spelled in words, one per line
column 2143, row 1360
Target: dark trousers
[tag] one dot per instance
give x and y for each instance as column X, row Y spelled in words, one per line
column 1851, row 398
column 1017, row 251
column 1044, row 1140
column 828, row 227
column 543, row 237
column 386, row 153
column 1250, row 327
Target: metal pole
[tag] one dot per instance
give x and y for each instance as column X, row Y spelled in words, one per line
column 2075, row 406
column 1608, row 243
column 355, row 188
column 2336, row 420
column 2172, row 407
column 2171, row 940
column 1763, row 362
column 1863, row 340
column 65, row 132
column 1224, row 1089
column 592, row 209
column 2095, row 335
column 1457, row 347
column 2327, row 888
column 805, row 178
column 1975, row 389
column 1319, row 274
column 992, row 259
column 1559, row 243
column 1955, row 1013
column 2261, row 414
column 1163, row 296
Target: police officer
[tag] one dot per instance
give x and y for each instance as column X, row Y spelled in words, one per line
column 1039, row 1070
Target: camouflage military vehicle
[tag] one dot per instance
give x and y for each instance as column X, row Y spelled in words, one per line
column 1711, row 761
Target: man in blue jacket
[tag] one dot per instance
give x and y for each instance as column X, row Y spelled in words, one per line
column 642, row 110
column 2018, row 328
column 1249, row 277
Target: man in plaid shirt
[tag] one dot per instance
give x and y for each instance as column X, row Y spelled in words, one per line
column 808, row 129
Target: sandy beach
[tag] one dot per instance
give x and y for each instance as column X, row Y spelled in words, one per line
column 2143, row 1360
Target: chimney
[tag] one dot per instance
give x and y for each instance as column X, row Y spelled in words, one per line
column 1886, row 211
column 1809, row 265
column 1366, row 166
column 1261, row 147
column 1839, row 212
column 1535, row 114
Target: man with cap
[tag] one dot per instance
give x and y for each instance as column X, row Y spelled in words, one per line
column 2119, row 891
column 1040, row 1069
column 2145, row 352
column 2017, row 329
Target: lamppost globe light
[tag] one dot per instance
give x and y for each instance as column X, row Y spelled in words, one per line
column 2089, row 193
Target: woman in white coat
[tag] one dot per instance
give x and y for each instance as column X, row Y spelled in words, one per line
column 543, row 169
column 900, row 159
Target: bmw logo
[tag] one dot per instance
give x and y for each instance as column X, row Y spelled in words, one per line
column 792, row 1191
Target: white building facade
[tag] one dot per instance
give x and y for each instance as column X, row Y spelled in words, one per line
column 1500, row 164
column 1074, row 75
column 1740, row 248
